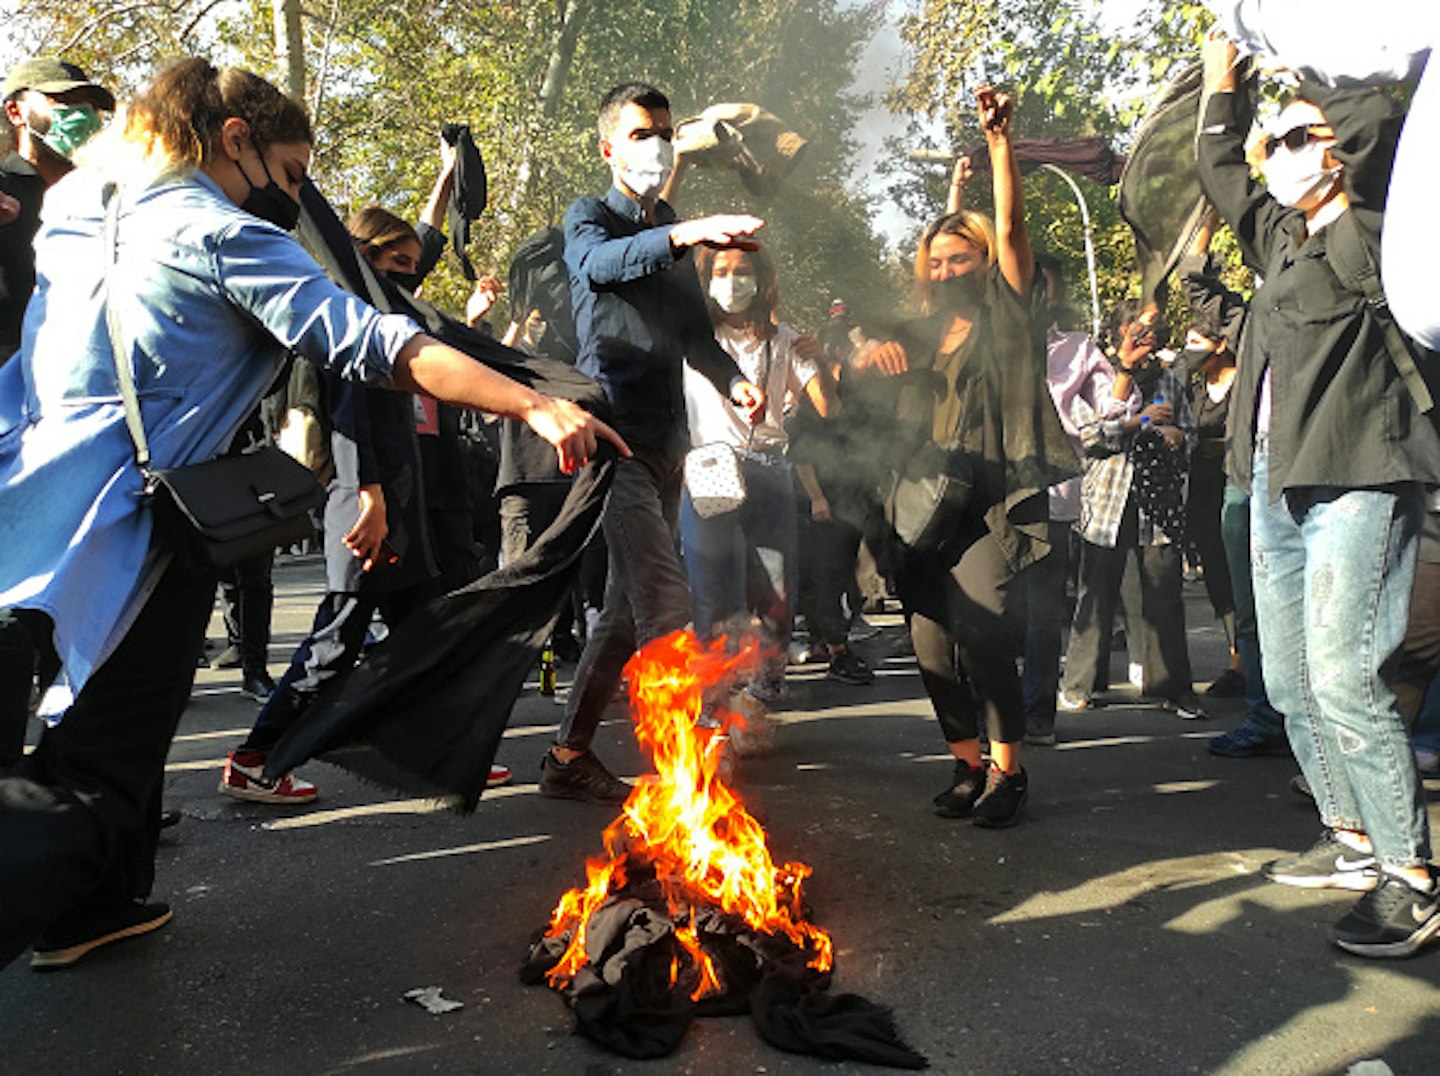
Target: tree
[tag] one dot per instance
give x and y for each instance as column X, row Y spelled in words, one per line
column 1069, row 76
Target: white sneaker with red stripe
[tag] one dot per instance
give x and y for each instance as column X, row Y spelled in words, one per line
column 499, row 775
column 244, row 779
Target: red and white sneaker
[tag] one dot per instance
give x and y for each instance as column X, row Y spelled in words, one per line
column 244, row 779
column 499, row 775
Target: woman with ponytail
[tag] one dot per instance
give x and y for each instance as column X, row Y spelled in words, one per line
column 208, row 293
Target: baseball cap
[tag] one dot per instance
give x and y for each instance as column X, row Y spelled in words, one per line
column 50, row 75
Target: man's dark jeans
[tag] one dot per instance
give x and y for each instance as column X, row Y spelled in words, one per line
column 645, row 595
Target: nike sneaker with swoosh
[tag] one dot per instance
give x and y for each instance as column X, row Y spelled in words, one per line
column 1329, row 864
column 1393, row 920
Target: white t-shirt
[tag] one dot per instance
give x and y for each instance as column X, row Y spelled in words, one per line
column 714, row 418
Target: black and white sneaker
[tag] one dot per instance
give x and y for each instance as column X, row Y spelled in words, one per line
column 1329, row 864
column 1392, row 920
column 1004, row 799
column 966, row 787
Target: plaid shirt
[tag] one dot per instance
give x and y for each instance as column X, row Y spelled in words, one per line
column 1109, row 470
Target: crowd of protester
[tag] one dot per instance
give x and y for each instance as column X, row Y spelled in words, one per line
column 1012, row 480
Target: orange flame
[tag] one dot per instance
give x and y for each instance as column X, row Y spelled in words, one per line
column 685, row 823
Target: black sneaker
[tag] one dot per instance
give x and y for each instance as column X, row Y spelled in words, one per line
column 1329, row 864
column 1394, row 919
column 847, row 667
column 257, row 686
column 1187, row 707
column 1228, row 685
column 582, row 778
column 1003, row 800
column 67, row 941
column 966, row 787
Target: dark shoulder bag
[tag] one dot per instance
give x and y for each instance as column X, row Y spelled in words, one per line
column 215, row 513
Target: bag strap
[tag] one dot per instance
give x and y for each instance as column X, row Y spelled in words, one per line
column 124, row 376
column 764, row 387
column 1351, row 262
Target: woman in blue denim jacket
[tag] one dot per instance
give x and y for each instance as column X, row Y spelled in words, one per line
column 210, row 294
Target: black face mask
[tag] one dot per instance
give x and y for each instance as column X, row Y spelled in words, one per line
column 270, row 202
column 408, row 281
column 1192, row 360
column 959, row 292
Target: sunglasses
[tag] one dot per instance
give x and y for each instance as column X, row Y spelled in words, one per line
column 1297, row 138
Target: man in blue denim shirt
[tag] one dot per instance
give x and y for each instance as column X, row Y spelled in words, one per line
column 639, row 316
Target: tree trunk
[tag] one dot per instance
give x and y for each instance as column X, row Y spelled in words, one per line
column 552, row 89
column 290, row 48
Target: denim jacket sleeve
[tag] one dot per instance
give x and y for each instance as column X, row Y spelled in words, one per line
column 268, row 275
column 601, row 260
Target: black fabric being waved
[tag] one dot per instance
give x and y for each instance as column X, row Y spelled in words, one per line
column 460, row 661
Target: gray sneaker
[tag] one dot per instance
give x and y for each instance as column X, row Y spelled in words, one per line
column 1329, row 864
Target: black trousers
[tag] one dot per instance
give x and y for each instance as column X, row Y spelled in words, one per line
column 79, row 818
column 966, row 626
column 1154, row 618
column 27, row 655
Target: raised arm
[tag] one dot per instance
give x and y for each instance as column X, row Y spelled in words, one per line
column 1015, row 256
column 1247, row 207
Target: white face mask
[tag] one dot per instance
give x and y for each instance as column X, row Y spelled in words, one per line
column 646, row 166
column 734, row 294
column 1299, row 178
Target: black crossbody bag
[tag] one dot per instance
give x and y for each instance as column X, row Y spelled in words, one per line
column 215, row 513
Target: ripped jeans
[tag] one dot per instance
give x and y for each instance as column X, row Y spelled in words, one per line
column 1332, row 571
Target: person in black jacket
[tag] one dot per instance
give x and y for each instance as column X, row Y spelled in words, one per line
column 971, row 375
column 1329, row 432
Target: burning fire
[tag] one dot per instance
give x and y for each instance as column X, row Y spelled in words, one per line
column 685, row 824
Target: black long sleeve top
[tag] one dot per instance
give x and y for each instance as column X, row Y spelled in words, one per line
column 1340, row 413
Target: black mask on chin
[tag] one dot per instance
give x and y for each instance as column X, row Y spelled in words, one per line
column 269, row 202
column 959, row 292
column 408, row 281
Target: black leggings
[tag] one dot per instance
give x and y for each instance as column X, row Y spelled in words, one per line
column 966, row 638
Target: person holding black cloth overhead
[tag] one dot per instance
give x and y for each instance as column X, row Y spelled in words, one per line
column 973, row 398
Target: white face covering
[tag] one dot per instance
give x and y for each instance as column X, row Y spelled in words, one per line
column 734, row 294
column 646, row 166
column 1299, row 177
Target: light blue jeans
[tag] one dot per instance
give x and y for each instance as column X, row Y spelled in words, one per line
column 1333, row 570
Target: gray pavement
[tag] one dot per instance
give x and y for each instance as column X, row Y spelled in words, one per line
column 1123, row 928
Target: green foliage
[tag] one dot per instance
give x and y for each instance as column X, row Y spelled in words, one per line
column 383, row 78
column 1070, row 77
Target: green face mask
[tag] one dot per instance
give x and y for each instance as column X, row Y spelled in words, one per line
column 71, row 126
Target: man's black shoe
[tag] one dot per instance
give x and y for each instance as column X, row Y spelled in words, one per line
column 582, row 778
column 67, row 941
column 257, row 686
column 966, row 787
column 1394, row 919
column 1003, row 800
column 169, row 818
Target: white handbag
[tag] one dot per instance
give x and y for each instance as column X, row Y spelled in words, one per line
column 713, row 476
column 714, row 480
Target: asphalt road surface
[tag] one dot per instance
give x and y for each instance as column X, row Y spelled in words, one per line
column 1122, row 928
